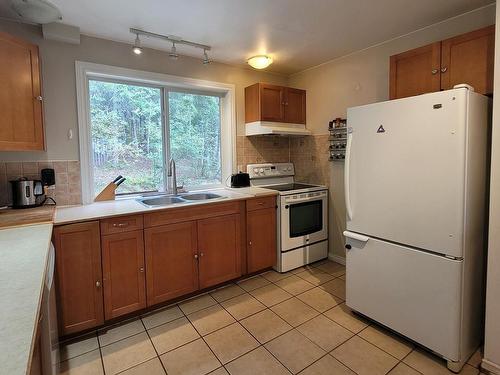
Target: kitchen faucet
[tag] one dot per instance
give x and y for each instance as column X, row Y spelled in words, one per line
column 172, row 187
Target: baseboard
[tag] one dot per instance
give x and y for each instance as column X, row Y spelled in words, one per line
column 491, row 367
column 337, row 258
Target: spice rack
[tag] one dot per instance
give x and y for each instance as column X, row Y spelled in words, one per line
column 338, row 139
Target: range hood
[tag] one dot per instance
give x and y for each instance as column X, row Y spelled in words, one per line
column 275, row 128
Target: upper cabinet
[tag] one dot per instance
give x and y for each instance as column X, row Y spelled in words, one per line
column 21, row 123
column 466, row 58
column 264, row 102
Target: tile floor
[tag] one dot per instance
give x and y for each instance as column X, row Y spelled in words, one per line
column 269, row 324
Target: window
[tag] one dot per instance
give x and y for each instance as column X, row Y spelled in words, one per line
column 131, row 123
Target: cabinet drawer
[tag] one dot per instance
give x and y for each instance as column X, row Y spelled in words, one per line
column 178, row 215
column 259, row 203
column 121, row 224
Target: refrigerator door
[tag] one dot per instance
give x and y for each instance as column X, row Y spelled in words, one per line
column 412, row 292
column 405, row 170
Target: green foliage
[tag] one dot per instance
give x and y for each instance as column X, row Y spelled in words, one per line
column 127, row 136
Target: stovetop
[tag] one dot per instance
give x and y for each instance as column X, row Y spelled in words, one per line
column 290, row 187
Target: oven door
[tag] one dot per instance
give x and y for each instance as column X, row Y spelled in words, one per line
column 304, row 219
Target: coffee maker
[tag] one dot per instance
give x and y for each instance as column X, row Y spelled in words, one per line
column 27, row 193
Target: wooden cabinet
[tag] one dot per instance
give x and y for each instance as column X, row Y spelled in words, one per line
column 219, row 249
column 78, row 276
column 261, row 234
column 466, row 58
column 21, row 122
column 171, row 261
column 264, row 102
column 124, row 280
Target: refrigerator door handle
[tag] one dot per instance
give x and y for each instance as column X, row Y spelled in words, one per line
column 347, row 194
column 356, row 236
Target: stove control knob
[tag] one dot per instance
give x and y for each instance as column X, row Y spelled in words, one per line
column 256, row 170
column 261, row 170
column 289, row 169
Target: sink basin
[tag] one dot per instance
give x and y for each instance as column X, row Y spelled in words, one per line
column 200, row 196
column 161, row 201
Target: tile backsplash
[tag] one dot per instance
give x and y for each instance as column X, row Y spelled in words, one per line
column 262, row 149
column 68, row 183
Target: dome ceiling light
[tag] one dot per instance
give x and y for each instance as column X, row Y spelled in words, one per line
column 260, row 61
column 37, row 11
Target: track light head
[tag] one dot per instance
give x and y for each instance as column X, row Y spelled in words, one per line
column 173, row 52
column 206, row 60
column 137, row 46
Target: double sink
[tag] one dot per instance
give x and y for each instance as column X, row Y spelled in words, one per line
column 165, row 200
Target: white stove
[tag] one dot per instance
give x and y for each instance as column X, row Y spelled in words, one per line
column 302, row 215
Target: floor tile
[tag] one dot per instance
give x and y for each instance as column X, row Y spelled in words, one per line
column 429, row 364
column 388, row 342
column 333, row 268
column 402, row 369
column 335, row 287
column 258, row 361
column 195, row 358
column 294, row 311
column 344, row 316
column 159, row 317
column 253, row 283
column 294, row 285
column 342, row 277
column 151, row 367
column 198, row 303
column 325, row 333
column 173, row 334
column 118, row 332
column 86, row 364
column 318, row 299
column 219, row 371
column 231, row 342
column 210, row 319
column 294, row 350
column 274, row 276
column 127, row 353
column 227, row 292
column 364, row 358
column 298, row 270
column 476, row 358
column 270, row 295
column 327, row 366
column 242, row 306
column 315, row 276
column 78, row 346
column 265, row 325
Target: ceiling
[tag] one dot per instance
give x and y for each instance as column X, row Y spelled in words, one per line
column 298, row 33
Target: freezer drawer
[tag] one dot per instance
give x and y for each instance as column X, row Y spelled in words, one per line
column 415, row 293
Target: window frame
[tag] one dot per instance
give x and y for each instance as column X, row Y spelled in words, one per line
column 86, row 71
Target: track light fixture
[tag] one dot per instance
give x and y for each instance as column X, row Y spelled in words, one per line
column 172, row 39
column 206, row 60
column 137, row 46
column 173, row 52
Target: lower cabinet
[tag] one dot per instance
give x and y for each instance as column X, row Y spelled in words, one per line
column 171, row 261
column 78, row 276
column 261, row 239
column 123, row 273
column 219, row 251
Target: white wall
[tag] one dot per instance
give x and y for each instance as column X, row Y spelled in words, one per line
column 492, row 327
column 361, row 78
column 59, row 88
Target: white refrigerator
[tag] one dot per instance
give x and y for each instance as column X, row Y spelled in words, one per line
column 415, row 190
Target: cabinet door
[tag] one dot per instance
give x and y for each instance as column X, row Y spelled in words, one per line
column 271, row 103
column 261, row 237
column 219, row 240
column 123, row 271
column 21, row 126
column 415, row 72
column 79, row 277
column 469, row 58
column 295, row 106
column 171, row 264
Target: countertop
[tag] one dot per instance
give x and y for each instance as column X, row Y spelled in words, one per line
column 98, row 210
column 10, row 217
column 23, row 260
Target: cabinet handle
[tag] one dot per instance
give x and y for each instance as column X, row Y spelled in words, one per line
column 98, row 284
column 195, row 256
column 434, row 71
column 250, row 243
column 120, row 225
column 141, row 269
column 39, row 98
column 444, row 69
column 201, row 254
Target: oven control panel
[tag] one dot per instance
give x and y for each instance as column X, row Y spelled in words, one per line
column 270, row 170
column 310, row 196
